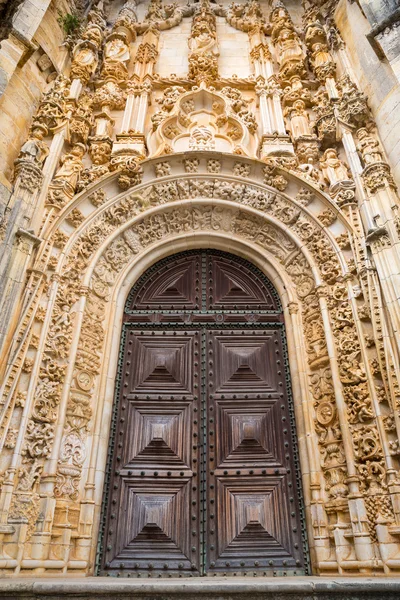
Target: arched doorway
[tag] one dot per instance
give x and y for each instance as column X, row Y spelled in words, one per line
column 203, row 475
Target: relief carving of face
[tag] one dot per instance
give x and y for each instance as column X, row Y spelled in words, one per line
column 100, row 151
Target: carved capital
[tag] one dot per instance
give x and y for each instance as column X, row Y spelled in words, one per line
column 28, row 175
column 378, row 175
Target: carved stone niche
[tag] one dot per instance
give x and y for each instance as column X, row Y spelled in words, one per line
column 204, row 119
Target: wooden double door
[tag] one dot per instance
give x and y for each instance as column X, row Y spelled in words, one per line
column 203, row 476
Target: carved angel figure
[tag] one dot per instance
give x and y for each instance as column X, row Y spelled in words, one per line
column 369, row 147
column 321, row 55
column 203, row 37
column 322, row 62
column 299, row 123
column 333, row 168
column 203, row 46
column 288, row 47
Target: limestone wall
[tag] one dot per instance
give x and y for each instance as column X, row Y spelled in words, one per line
column 378, row 77
column 30, row 57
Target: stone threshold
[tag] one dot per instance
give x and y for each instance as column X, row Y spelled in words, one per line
column 288, row 588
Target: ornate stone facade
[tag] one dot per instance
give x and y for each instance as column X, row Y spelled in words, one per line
column 123, row 165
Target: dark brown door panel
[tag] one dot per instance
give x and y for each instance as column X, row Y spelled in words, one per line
column 203, row 477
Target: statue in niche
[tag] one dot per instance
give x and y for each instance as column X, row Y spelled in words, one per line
column 322, row 61
column 333, row 169
column 321, row 55
column 299, row 122
column 71, row 166
column 203, row 65
column 369, row 147
column 203, row 37
column 288, row 47
column 35, row 150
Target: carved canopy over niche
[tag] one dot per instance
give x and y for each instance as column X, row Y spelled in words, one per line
column 203, row 119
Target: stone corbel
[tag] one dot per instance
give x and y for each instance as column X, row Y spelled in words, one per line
column 376, row 176
column 29, row 176
column 29, row 47
column 27, row 240
column 274, row 144
column 389, row 22
column 375, row 234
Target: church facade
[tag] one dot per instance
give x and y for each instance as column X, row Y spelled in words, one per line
column 200, row 288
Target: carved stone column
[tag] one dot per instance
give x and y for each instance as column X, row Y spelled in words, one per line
column 14, row 253
column 260, row 54
column 129, row 147
column 14, row 277
column 319, row 517
column 362, row 542
column 274, row 137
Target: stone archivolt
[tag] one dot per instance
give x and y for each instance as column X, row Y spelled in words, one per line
column 190, row 173
column 125, row 228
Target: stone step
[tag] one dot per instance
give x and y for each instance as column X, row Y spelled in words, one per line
column 291, row 588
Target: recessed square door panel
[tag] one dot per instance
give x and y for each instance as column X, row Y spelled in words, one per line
column 244, row 364
column 247, row 433
column 163, row 363
column 253, row 523
column 160, row 434
column 156, row 525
